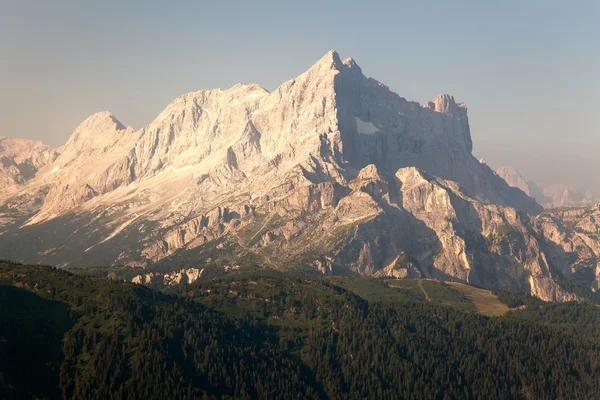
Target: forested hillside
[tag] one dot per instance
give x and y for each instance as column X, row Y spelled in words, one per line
column 252, row 336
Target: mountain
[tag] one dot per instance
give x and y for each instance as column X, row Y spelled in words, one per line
column 565, row 195
column 572, row 224
column 332, row 172
column 254, row 336
column 576, row 231
column 20, row 160
column 556, row 195
column 514, row 179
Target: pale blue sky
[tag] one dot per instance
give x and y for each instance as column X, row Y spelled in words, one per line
column 528, row 70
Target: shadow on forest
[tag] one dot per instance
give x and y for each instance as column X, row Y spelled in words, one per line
column 31, row 332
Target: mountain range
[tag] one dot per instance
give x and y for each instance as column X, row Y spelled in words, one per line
column 551, row 196
column 330, row 172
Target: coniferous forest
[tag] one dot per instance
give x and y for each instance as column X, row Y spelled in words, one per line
column 280, row 337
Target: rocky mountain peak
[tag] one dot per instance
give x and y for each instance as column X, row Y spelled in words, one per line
column 320, row 74
column 97, row 133
column 103, row 120
column 445, row 103
column 331, row 60
column 95, row 129
column 351, row 64
column 514, row 178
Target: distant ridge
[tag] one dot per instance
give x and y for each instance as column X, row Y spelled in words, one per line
column 556, row 195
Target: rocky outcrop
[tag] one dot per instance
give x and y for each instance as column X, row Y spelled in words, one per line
column 189, row 275
column 546, row 289
column 331, row 171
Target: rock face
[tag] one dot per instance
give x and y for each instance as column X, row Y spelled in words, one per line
column 189, row 275
column 552, row 196
column 576, row 232
column 331, row 171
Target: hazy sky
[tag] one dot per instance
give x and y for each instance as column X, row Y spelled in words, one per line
column 529, row 71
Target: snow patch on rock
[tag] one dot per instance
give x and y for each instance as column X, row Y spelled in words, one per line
column 365, row 128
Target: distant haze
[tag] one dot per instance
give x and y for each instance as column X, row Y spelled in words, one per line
column 529, row 71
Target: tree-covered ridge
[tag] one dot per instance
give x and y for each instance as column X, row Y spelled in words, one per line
column 126, row 341
column 279, row 337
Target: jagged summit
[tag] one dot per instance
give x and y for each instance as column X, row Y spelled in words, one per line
column 250, row 87
column 444, row 103
column 99, row 131
column 330, row 60
column 100, row 120
column 350, row 63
